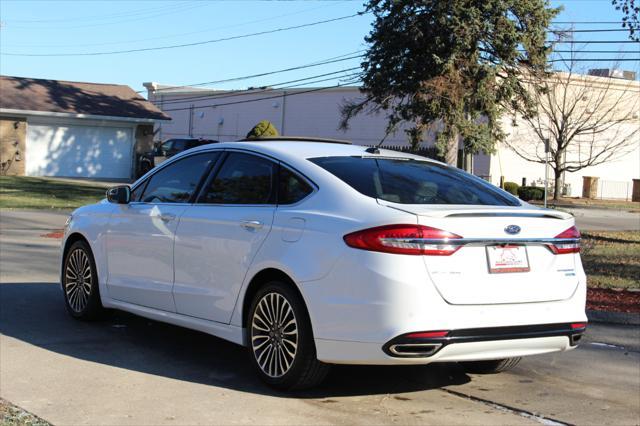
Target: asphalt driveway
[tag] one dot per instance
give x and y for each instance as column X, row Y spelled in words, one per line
column 129, row 370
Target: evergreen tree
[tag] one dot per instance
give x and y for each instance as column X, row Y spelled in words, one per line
column 451, row 66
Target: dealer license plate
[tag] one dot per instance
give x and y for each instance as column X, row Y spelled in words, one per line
column 507, row 258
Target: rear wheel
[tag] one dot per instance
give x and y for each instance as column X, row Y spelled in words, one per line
column 80, row 283
column 491, row 366
column 281, row 341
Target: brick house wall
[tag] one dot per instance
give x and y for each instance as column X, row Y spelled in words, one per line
column 12, row 146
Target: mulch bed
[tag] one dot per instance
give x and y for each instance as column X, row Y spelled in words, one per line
column 605, row 299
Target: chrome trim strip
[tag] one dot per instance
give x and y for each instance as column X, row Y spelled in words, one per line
column 482, row 241
column 434, row 349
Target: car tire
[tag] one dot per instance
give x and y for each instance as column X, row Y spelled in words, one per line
column 491, row 366
column 80, row 283
column 281, row 344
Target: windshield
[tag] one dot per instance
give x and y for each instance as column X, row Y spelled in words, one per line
column 409, row 181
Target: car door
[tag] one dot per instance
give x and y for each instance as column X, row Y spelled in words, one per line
column 220, row 234
column 141, row 234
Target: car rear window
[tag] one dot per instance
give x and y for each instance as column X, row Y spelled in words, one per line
column 409, row 181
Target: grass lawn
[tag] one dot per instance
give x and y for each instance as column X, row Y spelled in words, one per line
column 611, row 259
column 43, row 193
column 10, row 415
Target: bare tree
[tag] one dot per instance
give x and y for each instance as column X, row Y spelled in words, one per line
column 587, row 120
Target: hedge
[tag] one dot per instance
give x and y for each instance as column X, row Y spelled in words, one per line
column 511, row 187
column 528, row 193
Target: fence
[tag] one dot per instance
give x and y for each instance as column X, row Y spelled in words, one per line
column 616, row 190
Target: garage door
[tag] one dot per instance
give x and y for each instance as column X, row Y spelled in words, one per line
column 79, row 151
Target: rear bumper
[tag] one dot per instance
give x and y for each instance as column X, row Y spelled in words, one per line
column 369, row 299
column 408, row 346
column 340, row 352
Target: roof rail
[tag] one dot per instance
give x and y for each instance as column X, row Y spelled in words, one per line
column 295, row 138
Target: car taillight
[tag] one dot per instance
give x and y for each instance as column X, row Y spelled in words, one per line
column 569, row 246
column 404, row 239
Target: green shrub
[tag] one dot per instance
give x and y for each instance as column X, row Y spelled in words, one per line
column 264, row 129
column 528, row 193
column 511, row 187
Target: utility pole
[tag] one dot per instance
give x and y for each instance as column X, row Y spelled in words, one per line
column 546, row 170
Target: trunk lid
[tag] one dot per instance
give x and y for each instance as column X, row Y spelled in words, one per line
column 463, row 278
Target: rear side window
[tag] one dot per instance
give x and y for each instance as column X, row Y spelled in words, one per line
column 177, row 182
column 242, row 179
column 291, row 187
column 408, row 181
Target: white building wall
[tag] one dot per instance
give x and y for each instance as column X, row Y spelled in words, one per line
column 615, row 175
column 313, row 114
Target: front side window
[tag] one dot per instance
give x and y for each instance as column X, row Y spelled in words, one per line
column 242, row 179
column 177, row 182
column 409, row 181
column 291, row 187
column 135, row 194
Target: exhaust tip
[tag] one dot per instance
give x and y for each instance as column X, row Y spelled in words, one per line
column 412, row 350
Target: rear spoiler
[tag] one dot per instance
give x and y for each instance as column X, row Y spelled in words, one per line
column 454, row 211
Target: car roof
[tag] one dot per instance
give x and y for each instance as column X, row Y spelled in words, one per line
column 297, row 150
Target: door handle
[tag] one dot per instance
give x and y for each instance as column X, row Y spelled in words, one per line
column 167, row 217
column 251, row 225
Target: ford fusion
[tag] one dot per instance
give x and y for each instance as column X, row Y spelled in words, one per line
column 312, row 253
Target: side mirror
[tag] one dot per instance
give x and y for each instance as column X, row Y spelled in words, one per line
column 119, row 194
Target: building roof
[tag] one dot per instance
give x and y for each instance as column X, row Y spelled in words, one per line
column 70, row 97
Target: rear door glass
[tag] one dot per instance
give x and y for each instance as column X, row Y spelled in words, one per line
column 291, row 187
column 409, row 181
column 242, row 179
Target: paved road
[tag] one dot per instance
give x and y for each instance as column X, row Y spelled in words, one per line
column 129, row 370
column 605, row 219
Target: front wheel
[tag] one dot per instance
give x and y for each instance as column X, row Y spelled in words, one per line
column 80, row 283
column 491, row 366
column 281, row 341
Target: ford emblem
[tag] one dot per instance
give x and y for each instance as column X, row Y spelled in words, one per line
column 512, row 229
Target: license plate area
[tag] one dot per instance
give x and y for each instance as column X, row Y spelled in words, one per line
column 507, row 258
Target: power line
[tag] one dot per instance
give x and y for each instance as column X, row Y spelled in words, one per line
column 176, row 8
column 198, row 43
column 143, row 11
column 266, row 88
column 593, row 51
column 246, row 77
column 594, row 42
column 284, row 95
column 603, row 30
column 110, row 43
column 587, row 22
column 596, row 60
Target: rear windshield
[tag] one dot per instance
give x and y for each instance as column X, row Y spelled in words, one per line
column 409, row 181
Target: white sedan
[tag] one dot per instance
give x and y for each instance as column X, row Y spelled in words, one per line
column 313, row 253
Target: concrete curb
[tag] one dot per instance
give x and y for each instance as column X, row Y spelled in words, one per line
column 613, row 317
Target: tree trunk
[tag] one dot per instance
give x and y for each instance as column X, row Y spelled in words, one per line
column 451, row 155
column 557, row 187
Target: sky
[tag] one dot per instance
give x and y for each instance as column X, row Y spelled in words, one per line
column 90, row 27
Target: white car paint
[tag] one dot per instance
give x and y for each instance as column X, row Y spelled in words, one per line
column 357, row 300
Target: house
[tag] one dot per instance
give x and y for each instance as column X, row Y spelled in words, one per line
column 73, row 129
column 229, row 115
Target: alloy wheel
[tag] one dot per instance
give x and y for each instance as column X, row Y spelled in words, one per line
column 78, row 280
column 274, row 335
